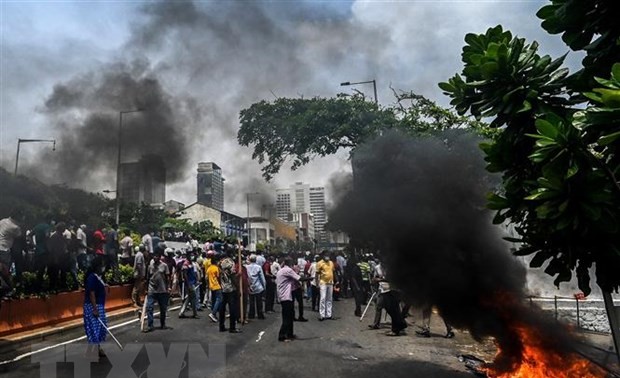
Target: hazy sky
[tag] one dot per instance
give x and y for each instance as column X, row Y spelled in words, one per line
column 69, row 67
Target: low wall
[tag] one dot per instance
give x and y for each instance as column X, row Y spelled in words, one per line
column 30, row 313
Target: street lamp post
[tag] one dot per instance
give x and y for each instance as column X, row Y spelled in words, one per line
column 374, row 86
column 118, row 162
column 247, row 196
column 20, row 141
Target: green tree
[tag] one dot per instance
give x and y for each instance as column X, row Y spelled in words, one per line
column 141, row 217
column 302, row 129
column 557, row 139
column 38, row 201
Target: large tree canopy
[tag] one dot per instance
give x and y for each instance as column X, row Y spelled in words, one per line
column 301, row 129
column 558, row 140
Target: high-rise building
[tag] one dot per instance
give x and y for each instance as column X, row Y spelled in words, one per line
column 144, row 181
column 210, row 185
column 319, row 210
column 301, row 198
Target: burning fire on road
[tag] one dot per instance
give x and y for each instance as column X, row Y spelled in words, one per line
column 537, row 346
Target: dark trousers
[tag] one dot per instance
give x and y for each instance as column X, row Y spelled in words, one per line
column 366, row 290
column 298, row 295
column 358, row 295
column 288, row 313
column 161, row 299
column 53, row 271
column 40, row 264
column 203, row 290
column 315, row 297
column 405, row 310
column 256, row 306
column 270, row 295
column 344, row 287
column 390, row 303
column 20, row 264
column 231, row 300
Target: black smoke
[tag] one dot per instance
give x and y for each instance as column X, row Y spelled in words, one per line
column 196, row 65
column 421, row 202
column 85, row 115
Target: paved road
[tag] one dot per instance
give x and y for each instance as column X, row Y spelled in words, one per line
column 336, row 348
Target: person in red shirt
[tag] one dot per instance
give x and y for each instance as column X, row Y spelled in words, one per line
column 98, row 242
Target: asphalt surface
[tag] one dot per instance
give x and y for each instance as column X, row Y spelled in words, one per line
column 344, row 347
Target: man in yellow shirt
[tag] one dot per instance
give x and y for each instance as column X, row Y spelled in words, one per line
column 213, row 276
column 206, row 264
column 325, row 280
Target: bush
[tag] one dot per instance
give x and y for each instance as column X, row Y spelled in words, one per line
column 124, row 275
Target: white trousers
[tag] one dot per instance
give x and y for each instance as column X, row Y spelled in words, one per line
column 325, row 303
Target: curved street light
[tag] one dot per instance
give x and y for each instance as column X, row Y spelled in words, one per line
column 373, row 82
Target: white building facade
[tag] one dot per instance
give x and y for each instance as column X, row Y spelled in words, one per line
column 301, row 198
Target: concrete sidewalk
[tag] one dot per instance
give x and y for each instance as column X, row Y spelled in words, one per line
column 18, row 343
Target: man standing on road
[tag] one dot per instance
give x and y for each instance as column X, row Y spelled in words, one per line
column 378, row 276
column 325, row 280
column 213, row 277
column 427, row 311
column 342, row 266
column 391, row 299
column 139, row 274
column 285, row 280
column 189, row 277
column 228, row 281
column 159, row 290
column 270, row 291
column 257, row 288
column 314, row 287
column 354, row 277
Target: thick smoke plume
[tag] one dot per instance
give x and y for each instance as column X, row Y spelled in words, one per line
column 198, row 64
column 85, row 114
column 421, row 203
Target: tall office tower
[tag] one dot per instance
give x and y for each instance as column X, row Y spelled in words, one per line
column 144, row 180
column 210, row 185
column 301, row 198
column 319, row 210
column 283, row 203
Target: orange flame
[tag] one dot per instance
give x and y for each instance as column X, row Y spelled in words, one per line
column 536, row 362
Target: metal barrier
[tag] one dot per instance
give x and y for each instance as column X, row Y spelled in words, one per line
column 584, row 313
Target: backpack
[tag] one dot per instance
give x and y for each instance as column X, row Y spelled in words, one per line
column 226, row 275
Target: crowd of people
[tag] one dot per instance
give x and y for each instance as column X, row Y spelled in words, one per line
column 224, row 281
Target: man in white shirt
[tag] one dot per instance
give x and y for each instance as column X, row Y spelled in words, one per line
column 82, row 247
column 139, row 277
column 147, row 241
column 275, row 267
column 313, row 286
column 126, row 247
column 9, row 231
column 378, row 276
